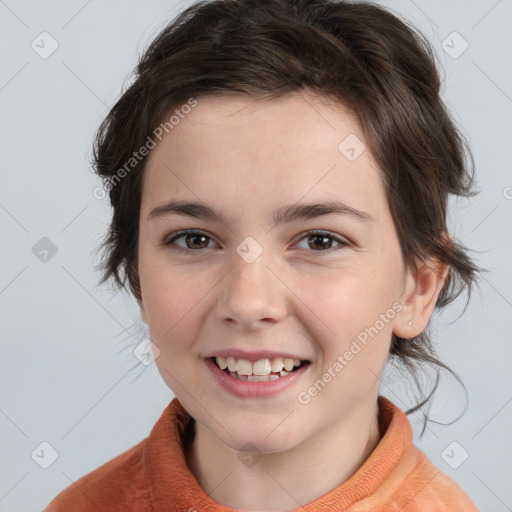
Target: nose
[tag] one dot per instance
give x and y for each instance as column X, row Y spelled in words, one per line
column 252, row 294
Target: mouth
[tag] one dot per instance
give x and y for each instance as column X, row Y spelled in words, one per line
column 262, row 370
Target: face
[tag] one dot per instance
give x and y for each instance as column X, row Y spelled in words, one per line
column 253, row 283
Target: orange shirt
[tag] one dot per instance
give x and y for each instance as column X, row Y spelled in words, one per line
column 153, row 476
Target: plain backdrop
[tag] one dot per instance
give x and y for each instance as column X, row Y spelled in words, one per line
column 72, row 393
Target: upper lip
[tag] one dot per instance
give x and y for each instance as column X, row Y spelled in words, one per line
column 253, row 355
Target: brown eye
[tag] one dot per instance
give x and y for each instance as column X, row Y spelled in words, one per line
column 322, row 241
column 193, row 241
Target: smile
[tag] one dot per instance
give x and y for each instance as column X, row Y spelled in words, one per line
column 261, row 370
column 256, row 379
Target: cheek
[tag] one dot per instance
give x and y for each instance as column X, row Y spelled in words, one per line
column 171, row 297
column 171, row 308
column 351, row 306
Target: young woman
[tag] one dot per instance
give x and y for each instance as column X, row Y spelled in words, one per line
column 279, row 174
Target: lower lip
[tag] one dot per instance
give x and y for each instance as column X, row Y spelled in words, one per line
column 254, row 389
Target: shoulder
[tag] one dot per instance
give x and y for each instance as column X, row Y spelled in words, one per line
column 426, row 488
column 117, row 485
column 406, row 480
column 134, row 480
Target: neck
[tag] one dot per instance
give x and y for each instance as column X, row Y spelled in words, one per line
column 287, row 480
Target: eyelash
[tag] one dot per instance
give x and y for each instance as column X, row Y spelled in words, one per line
column 327, row 234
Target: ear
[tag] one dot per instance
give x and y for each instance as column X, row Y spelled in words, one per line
column 421, row 291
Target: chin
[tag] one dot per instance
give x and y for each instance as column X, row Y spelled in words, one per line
column 257, row 440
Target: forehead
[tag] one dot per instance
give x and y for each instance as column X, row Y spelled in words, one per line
column 288, row 147
column 296, row 112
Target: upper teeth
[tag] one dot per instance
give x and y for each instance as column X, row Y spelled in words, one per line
column 260, row 367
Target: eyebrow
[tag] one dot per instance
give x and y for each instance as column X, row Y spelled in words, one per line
column 282, row 215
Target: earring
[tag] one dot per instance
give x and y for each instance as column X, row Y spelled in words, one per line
column 409, row 323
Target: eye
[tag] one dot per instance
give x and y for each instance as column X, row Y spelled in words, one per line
column 192, row 239
column 323, row 239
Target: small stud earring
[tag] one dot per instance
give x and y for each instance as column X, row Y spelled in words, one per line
column 409, row 323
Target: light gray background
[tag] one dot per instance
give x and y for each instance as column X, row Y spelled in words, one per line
column 68, row 375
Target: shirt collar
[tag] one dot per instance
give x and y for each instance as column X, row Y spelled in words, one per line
column 171, row 481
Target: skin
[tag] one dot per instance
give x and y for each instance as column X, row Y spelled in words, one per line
column 247, row 158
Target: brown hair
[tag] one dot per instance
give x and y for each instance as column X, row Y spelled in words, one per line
column 357, row 53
